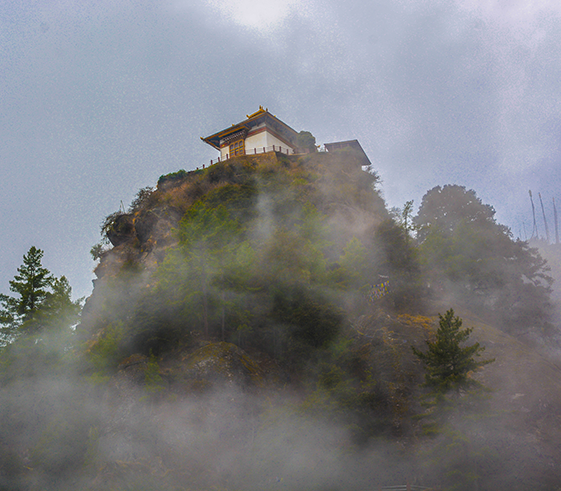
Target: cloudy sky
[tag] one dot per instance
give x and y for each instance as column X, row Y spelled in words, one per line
column 98, row 98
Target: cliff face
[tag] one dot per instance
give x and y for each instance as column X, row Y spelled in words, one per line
column 335, row 184
column 261, row 193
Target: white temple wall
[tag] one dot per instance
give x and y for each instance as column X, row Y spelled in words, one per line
column 264, row 139
column 258, row 141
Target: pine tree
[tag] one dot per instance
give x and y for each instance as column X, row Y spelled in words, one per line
column 57, row 309
column 448, row 364
column 457, row 455
column 41, row 300
column 31, row 284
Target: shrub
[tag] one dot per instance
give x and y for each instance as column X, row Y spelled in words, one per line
column 142, row 199
column 173, row 176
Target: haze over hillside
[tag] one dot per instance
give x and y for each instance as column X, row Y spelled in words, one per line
column 251, row 328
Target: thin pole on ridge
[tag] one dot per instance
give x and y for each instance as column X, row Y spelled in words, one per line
column 556, row 222
column 535, row 226
column 544, row 219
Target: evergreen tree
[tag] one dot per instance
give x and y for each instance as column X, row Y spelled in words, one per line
column 448, row 364
column 57, row 310
column 457, row 455
column 31, row 284
column 41, row 300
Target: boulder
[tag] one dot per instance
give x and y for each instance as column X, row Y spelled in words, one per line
column 215, row 364
column 121, row 230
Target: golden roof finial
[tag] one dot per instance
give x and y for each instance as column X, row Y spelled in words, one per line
column 256, row 113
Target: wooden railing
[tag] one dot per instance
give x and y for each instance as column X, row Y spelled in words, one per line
column 255, row 151
column 405, row 487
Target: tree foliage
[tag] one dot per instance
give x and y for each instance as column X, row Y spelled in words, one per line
column 449, row 364
column 454, row 394
column 58, row 310
column 31, row 284
column 260, row 259
column 464, row 251
column 207, row 237
column 396, row 259
column 220, row 280
column 444, row 208
column 306, row 142
column 41, row 300
column 142, row 199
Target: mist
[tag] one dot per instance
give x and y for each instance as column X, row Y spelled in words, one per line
column 251, row 327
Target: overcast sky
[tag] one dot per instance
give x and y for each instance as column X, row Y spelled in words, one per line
column 98, row 98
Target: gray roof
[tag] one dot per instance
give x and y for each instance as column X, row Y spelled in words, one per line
column 352, row 144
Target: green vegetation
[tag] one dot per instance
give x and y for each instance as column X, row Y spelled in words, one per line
column 306, row 142
column 466, row 252
column 454, row 395
column 252, row 325
column 173, row 176
column 253, row 254
column 31, row 286
column 41, row 302
column 448, row 364
column 42, row 425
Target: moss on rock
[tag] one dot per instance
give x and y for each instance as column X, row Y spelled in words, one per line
column 222, row 362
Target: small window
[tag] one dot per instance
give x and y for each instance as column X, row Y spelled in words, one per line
column 237, row 148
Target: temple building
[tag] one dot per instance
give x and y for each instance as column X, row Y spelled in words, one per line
column 261, row 132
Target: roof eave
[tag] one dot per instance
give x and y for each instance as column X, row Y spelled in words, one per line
column 214, row 140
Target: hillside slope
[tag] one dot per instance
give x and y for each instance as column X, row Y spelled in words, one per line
column 251, row 328
column 290, row 260
column 274, row 219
